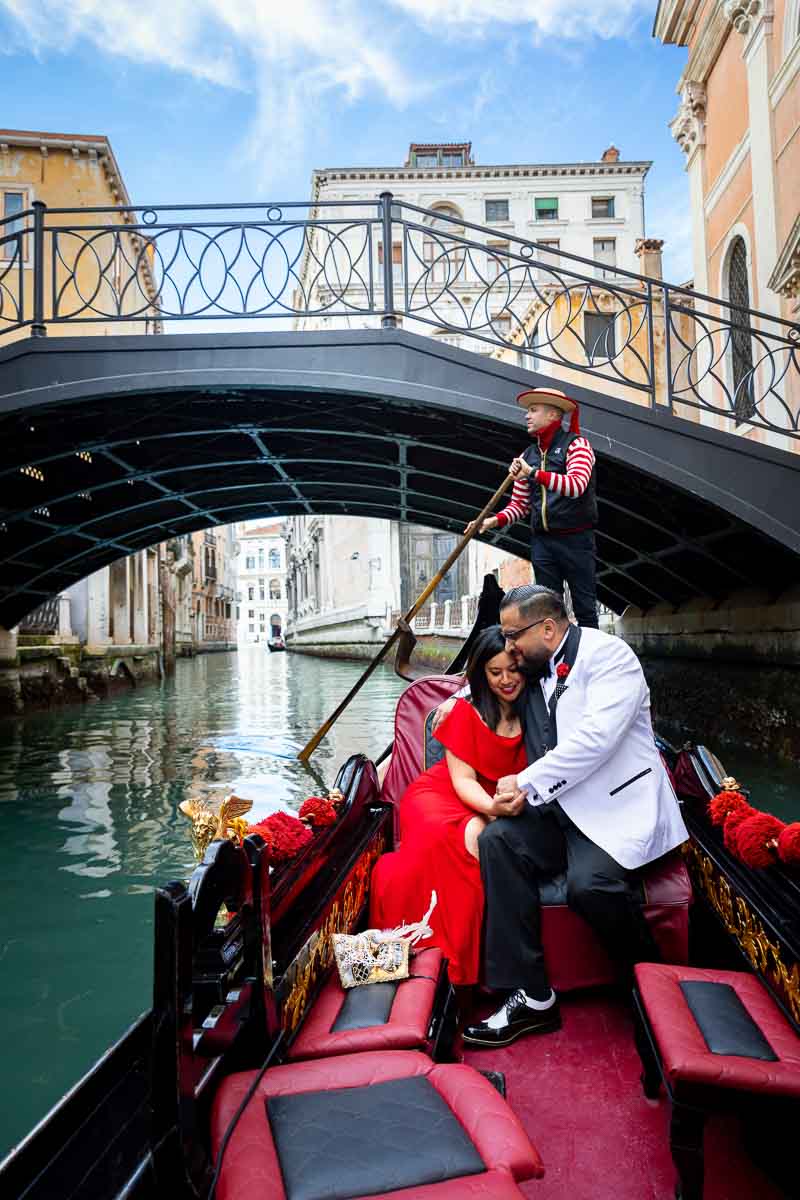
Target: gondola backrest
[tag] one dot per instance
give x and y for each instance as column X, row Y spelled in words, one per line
column 408, row 752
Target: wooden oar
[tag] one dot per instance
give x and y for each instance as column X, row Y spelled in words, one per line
column 408, row 617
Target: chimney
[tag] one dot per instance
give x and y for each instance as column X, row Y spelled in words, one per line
column 610, row 155
column 648, row 251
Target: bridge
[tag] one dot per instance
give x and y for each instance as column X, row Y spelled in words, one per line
column 110, row 444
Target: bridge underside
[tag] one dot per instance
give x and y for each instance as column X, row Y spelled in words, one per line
column 111, row 445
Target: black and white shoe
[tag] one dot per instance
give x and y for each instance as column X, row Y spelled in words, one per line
column 515, row 1018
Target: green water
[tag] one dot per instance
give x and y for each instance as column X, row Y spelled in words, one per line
column 89, row 825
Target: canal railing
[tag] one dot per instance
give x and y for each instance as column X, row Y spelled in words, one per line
column 318, row 265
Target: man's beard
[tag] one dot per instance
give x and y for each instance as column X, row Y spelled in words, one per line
column 536, row 668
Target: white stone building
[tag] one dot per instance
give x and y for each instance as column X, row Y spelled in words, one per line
column 343, row 579
column 261, row 582
column 593, row 209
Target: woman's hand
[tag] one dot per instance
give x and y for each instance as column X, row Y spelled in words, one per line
column 507, row 805
column 488, row 523
column 520, row 469
column 442, row 711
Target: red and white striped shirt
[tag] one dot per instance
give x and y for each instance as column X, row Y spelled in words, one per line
column 572, row 484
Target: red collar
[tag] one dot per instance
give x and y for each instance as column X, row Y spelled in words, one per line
column 545, row 436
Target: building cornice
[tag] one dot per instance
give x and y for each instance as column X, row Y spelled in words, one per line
column 785, row 279
column 706, row 50
column 688, row 126
column 325, row 175
column 673, row 21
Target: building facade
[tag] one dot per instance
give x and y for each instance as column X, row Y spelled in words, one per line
column 76, row 172
column 214, row 588
column 738, row 123
column 261, row 582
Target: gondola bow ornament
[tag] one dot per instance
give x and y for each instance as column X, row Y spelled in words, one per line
column 212, row 823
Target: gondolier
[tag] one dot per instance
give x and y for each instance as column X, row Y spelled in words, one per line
column 555, row 485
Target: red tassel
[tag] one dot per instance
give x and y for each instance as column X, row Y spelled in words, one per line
column 789, row 844
column 732, row 823
column 574, row 421
column 723, row 804
column 757, row 839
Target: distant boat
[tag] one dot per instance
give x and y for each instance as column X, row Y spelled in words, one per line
column 276, row 643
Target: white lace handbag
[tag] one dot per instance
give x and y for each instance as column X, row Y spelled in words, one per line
column 378, row 955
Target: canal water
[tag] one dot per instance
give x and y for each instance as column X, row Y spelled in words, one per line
column 89, row 825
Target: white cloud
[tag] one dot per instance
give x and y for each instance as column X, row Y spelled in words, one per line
column 293, row 56
column 545, row 18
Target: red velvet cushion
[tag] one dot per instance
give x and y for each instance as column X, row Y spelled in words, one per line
column 406, row 1029
column 251, row 1169
column 684, row 1054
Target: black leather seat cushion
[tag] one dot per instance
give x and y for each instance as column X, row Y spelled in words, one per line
column 366, row 1140
column 724, row 1021
column 365, row 1006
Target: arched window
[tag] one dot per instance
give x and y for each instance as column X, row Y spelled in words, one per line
column 275, row 560
column 444, row 258
column 741, row 347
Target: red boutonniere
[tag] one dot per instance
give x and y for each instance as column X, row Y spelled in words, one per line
column 562, row 670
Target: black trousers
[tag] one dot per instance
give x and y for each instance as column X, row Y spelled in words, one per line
column 568, row 557
column 516, row 853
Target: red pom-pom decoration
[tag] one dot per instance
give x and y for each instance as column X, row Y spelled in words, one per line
column 756, row 839
column 318, row 812
column 723, row 804
column 562, row 670
column 789, row 844
column 732, row 823
column 284, row 835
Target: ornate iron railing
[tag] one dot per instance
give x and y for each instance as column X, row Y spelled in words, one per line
column 389, row 261
column 43, row 620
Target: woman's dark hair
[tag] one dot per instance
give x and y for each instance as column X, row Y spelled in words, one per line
column 488, row 643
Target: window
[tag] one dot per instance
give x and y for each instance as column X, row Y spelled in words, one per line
column 427, row 160
column 250, row 563
column 598, row 333
column 13, row 202
column 546, row 254
column 496, row 259
column 274, row 589
column 251, row 613
column 261, row 558
column 496, row 210
column 501, row 325
column 546, row 209
column 397, row 274
column 602, row 206
column 261, row 590
column 251, row 593
column 444, row 261
column 740, row 342
column 452, row 159
column 605, row 252
column 251, row 628
column 274, row 560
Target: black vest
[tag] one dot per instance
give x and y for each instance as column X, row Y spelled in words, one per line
column 549, row 512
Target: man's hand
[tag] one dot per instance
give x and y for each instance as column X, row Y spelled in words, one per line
column 507, row 785
column 488, row 524
column 520, row 469
column 507, row 805
column 441, row 712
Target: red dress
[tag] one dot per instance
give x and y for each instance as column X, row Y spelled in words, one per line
column 432, row 854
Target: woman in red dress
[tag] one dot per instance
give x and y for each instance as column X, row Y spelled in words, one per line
column 443, row 812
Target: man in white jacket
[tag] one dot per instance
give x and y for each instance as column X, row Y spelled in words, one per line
column 595, row 801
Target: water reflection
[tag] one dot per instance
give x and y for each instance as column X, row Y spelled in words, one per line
column 89, row 824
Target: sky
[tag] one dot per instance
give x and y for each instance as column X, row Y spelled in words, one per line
column 239, row 100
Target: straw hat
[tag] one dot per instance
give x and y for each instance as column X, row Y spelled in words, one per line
column 546, row 396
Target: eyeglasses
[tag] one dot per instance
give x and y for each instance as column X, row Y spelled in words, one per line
column 514, row 635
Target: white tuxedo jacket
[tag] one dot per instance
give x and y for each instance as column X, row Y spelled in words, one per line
column 605, row 771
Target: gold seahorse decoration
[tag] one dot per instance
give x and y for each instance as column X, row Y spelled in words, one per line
column 210, row 823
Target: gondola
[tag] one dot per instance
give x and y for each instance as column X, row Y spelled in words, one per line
column 254, row 1075
column 275, row 643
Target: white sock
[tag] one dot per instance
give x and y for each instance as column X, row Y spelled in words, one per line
column 499, row 1019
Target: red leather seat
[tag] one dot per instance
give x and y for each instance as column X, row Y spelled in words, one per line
column 404, row 1026
column 720, row 1044
column 285, row 1159
column 574, row 956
